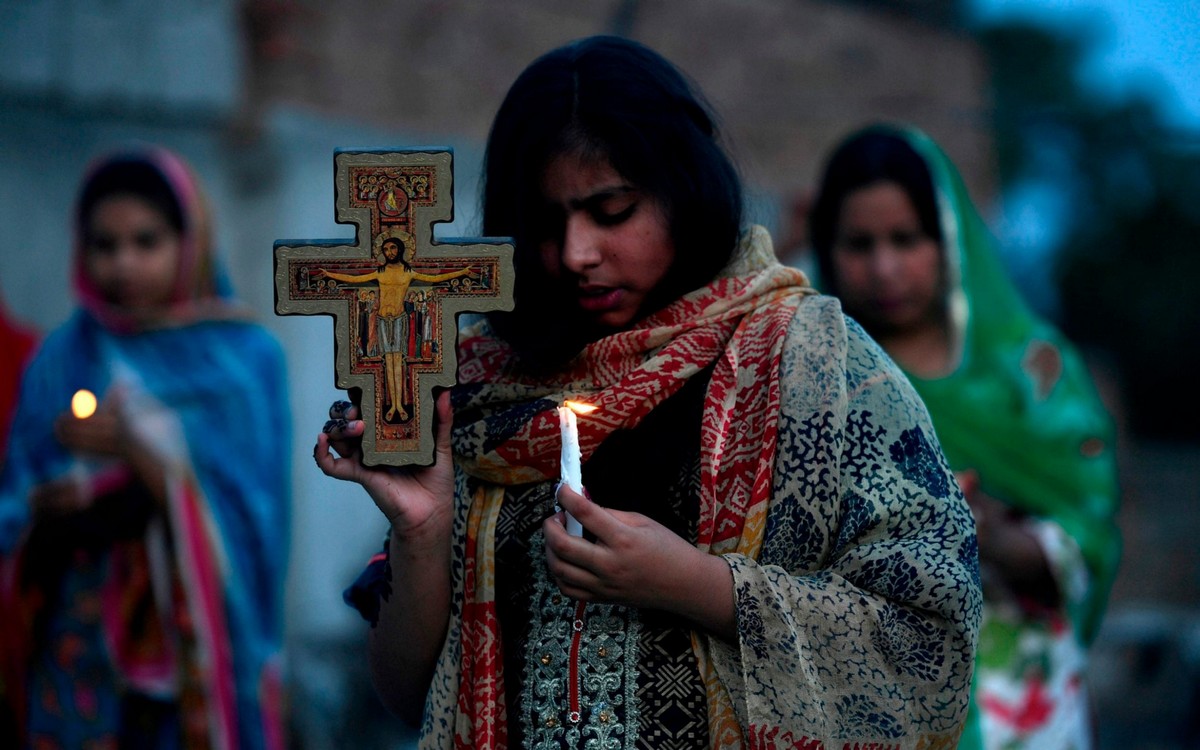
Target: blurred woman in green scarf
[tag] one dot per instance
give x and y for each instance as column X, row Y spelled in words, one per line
column 897, row 239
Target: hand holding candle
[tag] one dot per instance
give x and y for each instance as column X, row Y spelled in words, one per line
column 93, row 433
column 572, row 470
column 83, row 406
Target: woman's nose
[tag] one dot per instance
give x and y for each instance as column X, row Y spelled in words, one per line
column 885, row 260
column 125, row 255
column 580, row 250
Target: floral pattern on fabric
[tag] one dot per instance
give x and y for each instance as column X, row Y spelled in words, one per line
column 920, row 463
column 1031, row 672
column 820, row 640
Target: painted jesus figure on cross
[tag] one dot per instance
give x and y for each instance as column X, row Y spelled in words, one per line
column 394, row 292
column 396, row 249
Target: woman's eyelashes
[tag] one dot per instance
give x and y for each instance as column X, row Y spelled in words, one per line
column 866, row 242
column 611, row 207
column 611, row 213
column 858, row 243
column 106, row 244
column 907, row 239
column 609, row 210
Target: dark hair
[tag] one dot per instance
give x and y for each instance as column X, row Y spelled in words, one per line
column 613, row 99
column 130, row 176
column 877, row 154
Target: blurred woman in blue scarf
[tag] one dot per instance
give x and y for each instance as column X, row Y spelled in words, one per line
column 143, row 546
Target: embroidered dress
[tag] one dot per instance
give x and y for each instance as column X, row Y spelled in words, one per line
column 1020, row 409
column 626, row 659
column 136, row 623
column 785, row 441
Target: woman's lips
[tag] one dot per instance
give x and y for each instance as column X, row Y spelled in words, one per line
column 599, row 299
column 891, row 304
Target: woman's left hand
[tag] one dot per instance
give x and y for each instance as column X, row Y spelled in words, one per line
column 633, row 560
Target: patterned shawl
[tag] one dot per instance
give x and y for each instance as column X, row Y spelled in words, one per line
column 831, row 571
column 192, row 379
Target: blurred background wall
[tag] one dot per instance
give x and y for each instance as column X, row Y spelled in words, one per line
column 1091, row 190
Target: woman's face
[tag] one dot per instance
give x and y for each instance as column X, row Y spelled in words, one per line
column 608, row 241
column 132, row 253
column 888, row 271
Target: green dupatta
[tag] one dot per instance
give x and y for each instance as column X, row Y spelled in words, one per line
column 1047, row 448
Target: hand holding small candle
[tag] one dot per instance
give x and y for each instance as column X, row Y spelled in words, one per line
column 94, row 433
column 570, row 462
column 83, row 406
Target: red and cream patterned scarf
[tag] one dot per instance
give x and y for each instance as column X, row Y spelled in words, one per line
column 737, row 323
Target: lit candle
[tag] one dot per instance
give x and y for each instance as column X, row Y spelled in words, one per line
column 83, row 404
column 572, row 471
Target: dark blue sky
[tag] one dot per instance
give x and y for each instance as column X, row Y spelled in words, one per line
column 1153, row 45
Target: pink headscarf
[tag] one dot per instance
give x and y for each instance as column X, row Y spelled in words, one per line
column 201, row 289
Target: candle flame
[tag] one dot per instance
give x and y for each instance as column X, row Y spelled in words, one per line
column 580, row 407
column 83, row 403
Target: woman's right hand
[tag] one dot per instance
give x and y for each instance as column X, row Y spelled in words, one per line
column 419, row 503
column 416, row 501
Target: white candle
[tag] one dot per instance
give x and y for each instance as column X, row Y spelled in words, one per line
column 570, row 461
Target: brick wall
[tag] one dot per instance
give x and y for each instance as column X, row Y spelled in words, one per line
column 789, row 77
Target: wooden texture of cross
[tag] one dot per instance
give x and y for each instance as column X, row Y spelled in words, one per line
column 394, row 293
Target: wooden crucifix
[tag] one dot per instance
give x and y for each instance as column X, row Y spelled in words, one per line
column 394, row 294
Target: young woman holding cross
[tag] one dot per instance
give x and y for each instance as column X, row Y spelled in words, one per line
column 775, row 551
